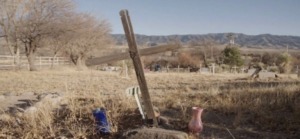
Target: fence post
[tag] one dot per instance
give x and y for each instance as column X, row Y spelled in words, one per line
column 298, row 71
column 13, row 62
column 28, row 67
column 200, row 66
column 213, row 68
column 40, row 58
column 49, row 61
column 126, row 70
column 168, row 67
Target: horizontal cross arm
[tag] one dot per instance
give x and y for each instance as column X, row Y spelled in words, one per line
column 125, row 55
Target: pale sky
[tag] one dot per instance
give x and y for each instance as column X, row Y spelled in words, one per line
column 167, row 17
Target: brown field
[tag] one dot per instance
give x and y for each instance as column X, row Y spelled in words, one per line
column 235, row 107
column 268, row 50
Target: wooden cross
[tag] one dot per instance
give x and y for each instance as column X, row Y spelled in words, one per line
column 134, row 54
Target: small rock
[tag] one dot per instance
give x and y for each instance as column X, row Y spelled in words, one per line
column 156, row 111
column 5, row 117
column 28, row 94
column 31, row 110
column 19, row 114
column 154, row 133
column 265, row 75
column 7, row 94
column 18, row 121
column 62, row 137
column 2, row 97
column 164, row 121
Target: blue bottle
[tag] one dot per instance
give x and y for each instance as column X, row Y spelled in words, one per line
column 101, row 120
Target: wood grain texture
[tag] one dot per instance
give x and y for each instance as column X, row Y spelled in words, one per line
column 134, row 54
column 125, row 55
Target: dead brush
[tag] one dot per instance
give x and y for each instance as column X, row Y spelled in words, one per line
column 77, row 114
column 39, row 122
column 258, row 108
column 73, row 119
column 7, row 122
column 33, row 123
column 264, row 106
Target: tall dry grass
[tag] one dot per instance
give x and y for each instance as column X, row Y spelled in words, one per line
column 263, row 106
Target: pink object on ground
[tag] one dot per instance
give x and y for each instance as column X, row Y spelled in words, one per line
column 195, row 125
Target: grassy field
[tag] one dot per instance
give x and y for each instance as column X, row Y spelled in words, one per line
column 235, row 107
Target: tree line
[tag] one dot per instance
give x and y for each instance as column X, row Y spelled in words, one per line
column 54, row 24
column 202, row 53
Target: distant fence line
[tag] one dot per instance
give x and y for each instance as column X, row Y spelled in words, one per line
column 8, row 62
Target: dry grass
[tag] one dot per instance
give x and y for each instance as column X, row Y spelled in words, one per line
column 239, row 107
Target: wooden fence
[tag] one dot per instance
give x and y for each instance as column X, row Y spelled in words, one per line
column 8, row 62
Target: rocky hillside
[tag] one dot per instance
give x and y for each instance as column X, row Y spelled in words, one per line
column 260, row 41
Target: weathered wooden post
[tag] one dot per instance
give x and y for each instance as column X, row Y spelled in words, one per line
column 49, row 61
column 298, row 71
column 213, row 68
column 13, row 62
column 124, row 69
column 40, row 62
column 235, row 67
column 200, row 66
column 243, row 69
column 134, row 54
column 258, row 69
column 168, row 67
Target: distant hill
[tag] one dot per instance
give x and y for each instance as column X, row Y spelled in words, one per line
column 257, row 41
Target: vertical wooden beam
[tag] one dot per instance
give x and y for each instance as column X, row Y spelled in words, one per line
column 200, row 66
column 13, row 61
column 134, row 54
column 213, row 68
column 40, row 62
column 298, row 71
column 49, row 61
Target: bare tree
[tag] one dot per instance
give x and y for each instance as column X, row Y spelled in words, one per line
column 206, row 47
column 90, row 35
column 187, row 59
column 56, row 44
column 52, row 23
column 41, row 19
column 9, row 13
column 4, row 23
column 58, row 41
